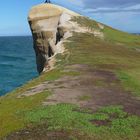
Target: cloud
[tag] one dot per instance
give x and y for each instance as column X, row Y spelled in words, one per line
column 109, row 3
column 128, row 22
column 108, row 6
column 119, row 14
column 133, row 9
column 77, row 2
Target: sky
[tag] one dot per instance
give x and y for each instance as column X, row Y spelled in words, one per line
column 120, row 14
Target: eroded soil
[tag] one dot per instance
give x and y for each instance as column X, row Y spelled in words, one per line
column 102, row 88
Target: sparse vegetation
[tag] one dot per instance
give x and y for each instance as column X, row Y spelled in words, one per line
column 111, row 35
column 121, row 38
column 131, row 81
column 102, row 55
column 11, row 107
column 63, row 117
column 84, row 98
column 86, row 22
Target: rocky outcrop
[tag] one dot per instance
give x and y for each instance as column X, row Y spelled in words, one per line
column 49, row 24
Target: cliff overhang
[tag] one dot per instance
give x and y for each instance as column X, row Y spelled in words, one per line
column 50, row 24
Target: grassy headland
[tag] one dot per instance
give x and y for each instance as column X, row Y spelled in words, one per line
column 116, row 55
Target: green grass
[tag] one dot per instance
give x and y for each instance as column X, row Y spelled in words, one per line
column 100, row 54
column 117, row 110
column 130, row 80
column 49, row 76
column 113, row 53
column 10, row 107
column 57, row 73
column 86, row 22
column 111, row 35
column 86, row 49
column 65, row 117
column 116, row 36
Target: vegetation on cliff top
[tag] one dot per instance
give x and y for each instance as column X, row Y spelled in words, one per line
column 118, row 54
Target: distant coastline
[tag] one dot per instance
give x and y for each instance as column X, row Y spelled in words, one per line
column 136, row 33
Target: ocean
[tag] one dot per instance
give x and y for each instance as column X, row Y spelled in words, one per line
column 17, row 62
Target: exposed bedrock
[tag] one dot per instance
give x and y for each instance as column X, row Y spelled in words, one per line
column 49, row 24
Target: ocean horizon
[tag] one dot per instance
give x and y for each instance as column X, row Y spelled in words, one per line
column 17, row 62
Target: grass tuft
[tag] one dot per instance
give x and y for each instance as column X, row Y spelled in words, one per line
column 65, row 117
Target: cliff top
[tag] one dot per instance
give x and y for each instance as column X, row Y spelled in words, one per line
column 48, row 10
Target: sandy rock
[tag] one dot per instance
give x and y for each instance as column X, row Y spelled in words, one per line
column 48, row 24
column 51, row 26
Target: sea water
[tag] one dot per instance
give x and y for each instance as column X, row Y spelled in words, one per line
column 17, row 62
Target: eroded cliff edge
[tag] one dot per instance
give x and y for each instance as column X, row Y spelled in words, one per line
column 50, row 25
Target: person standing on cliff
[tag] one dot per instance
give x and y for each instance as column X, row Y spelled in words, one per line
column 47, row 1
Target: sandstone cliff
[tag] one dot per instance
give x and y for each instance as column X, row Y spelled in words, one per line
column 49, row 24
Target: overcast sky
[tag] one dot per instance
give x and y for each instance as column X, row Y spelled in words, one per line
column 120, row 14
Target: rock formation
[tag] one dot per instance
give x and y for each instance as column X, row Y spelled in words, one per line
column 49, row 23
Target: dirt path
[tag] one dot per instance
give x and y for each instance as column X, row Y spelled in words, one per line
column 91, row 89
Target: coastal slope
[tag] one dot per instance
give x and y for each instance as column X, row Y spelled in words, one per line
column 89, row 83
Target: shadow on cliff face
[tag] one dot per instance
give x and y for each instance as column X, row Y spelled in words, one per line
column 43, row 48
column 41, row 61
column 59, row 35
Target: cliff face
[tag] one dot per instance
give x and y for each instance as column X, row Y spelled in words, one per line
column 49, row 25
